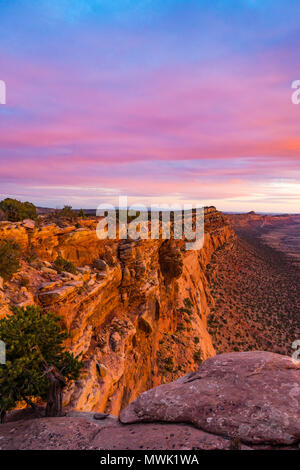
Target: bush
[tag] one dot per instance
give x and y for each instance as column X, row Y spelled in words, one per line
column 169, row 364
column 9, row 258
column 188, row 303
column 36, row 364
column 61, row 264
column 68, row 213
column 81, row 214
column 62, row 217
column 198, row 356
column 16, row 211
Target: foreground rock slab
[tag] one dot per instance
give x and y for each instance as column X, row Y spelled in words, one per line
column 252, row 396
column 158, row 436
column 70, row 433
column 48, row 434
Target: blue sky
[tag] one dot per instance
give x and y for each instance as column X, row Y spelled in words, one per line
column 158, row 100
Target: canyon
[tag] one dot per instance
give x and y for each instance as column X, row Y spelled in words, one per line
column 136, row 310
column 145, row 313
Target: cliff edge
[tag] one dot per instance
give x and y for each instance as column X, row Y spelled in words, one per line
column 136, row 310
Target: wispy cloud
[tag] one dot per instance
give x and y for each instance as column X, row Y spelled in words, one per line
column 150, row 100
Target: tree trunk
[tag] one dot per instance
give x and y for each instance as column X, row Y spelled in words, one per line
column 32, row 405
column 54, row 398
column 2, row 416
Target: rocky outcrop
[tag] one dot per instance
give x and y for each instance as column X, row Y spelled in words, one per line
column 136, row 310
column 253, row 220
column 252, row 396
column 79, row 433
column 243, row 401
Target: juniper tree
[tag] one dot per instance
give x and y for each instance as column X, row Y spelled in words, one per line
column 37, row 366
column 15, row 210
column 10, row 253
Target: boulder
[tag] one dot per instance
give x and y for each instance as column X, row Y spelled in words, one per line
column 252, row 396
column 57, row 295
column 144, row 324
column 102, row 370
column 114, row 341
column 50, row 286
column 46, row 270
column 100, row 416
column 100, row 264
column 29, row 224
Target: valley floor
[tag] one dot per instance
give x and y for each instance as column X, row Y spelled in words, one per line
column 256, row 297
column 286, row 239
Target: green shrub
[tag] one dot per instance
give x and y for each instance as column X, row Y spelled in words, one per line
column 169, row 364
column 81, row 214
column 68, row 213
column 16, row 211
column 198, row 356
column 185, row 310
column 188, row 303
column 9, row 258
column 36, row 364
column 61, row 264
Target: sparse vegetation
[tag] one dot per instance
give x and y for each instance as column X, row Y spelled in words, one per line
column 37, row 365
column 62, row 217
column 81, row 214
column 169, row 364
column 188, row 303
column 185, row 310
column 256, row 297
column 198, row 356
column 9, row 259
column 16, row 211
column 61, row 264
column 68, row 213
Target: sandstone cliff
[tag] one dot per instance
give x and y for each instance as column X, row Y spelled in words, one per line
column 253, row 220
column 136, row 310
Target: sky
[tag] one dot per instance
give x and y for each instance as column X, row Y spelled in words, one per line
column 164, row 101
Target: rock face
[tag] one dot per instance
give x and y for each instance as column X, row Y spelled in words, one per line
column 252, row 396
column 136, row 310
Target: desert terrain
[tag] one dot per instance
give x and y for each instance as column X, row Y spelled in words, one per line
column 255, row 286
